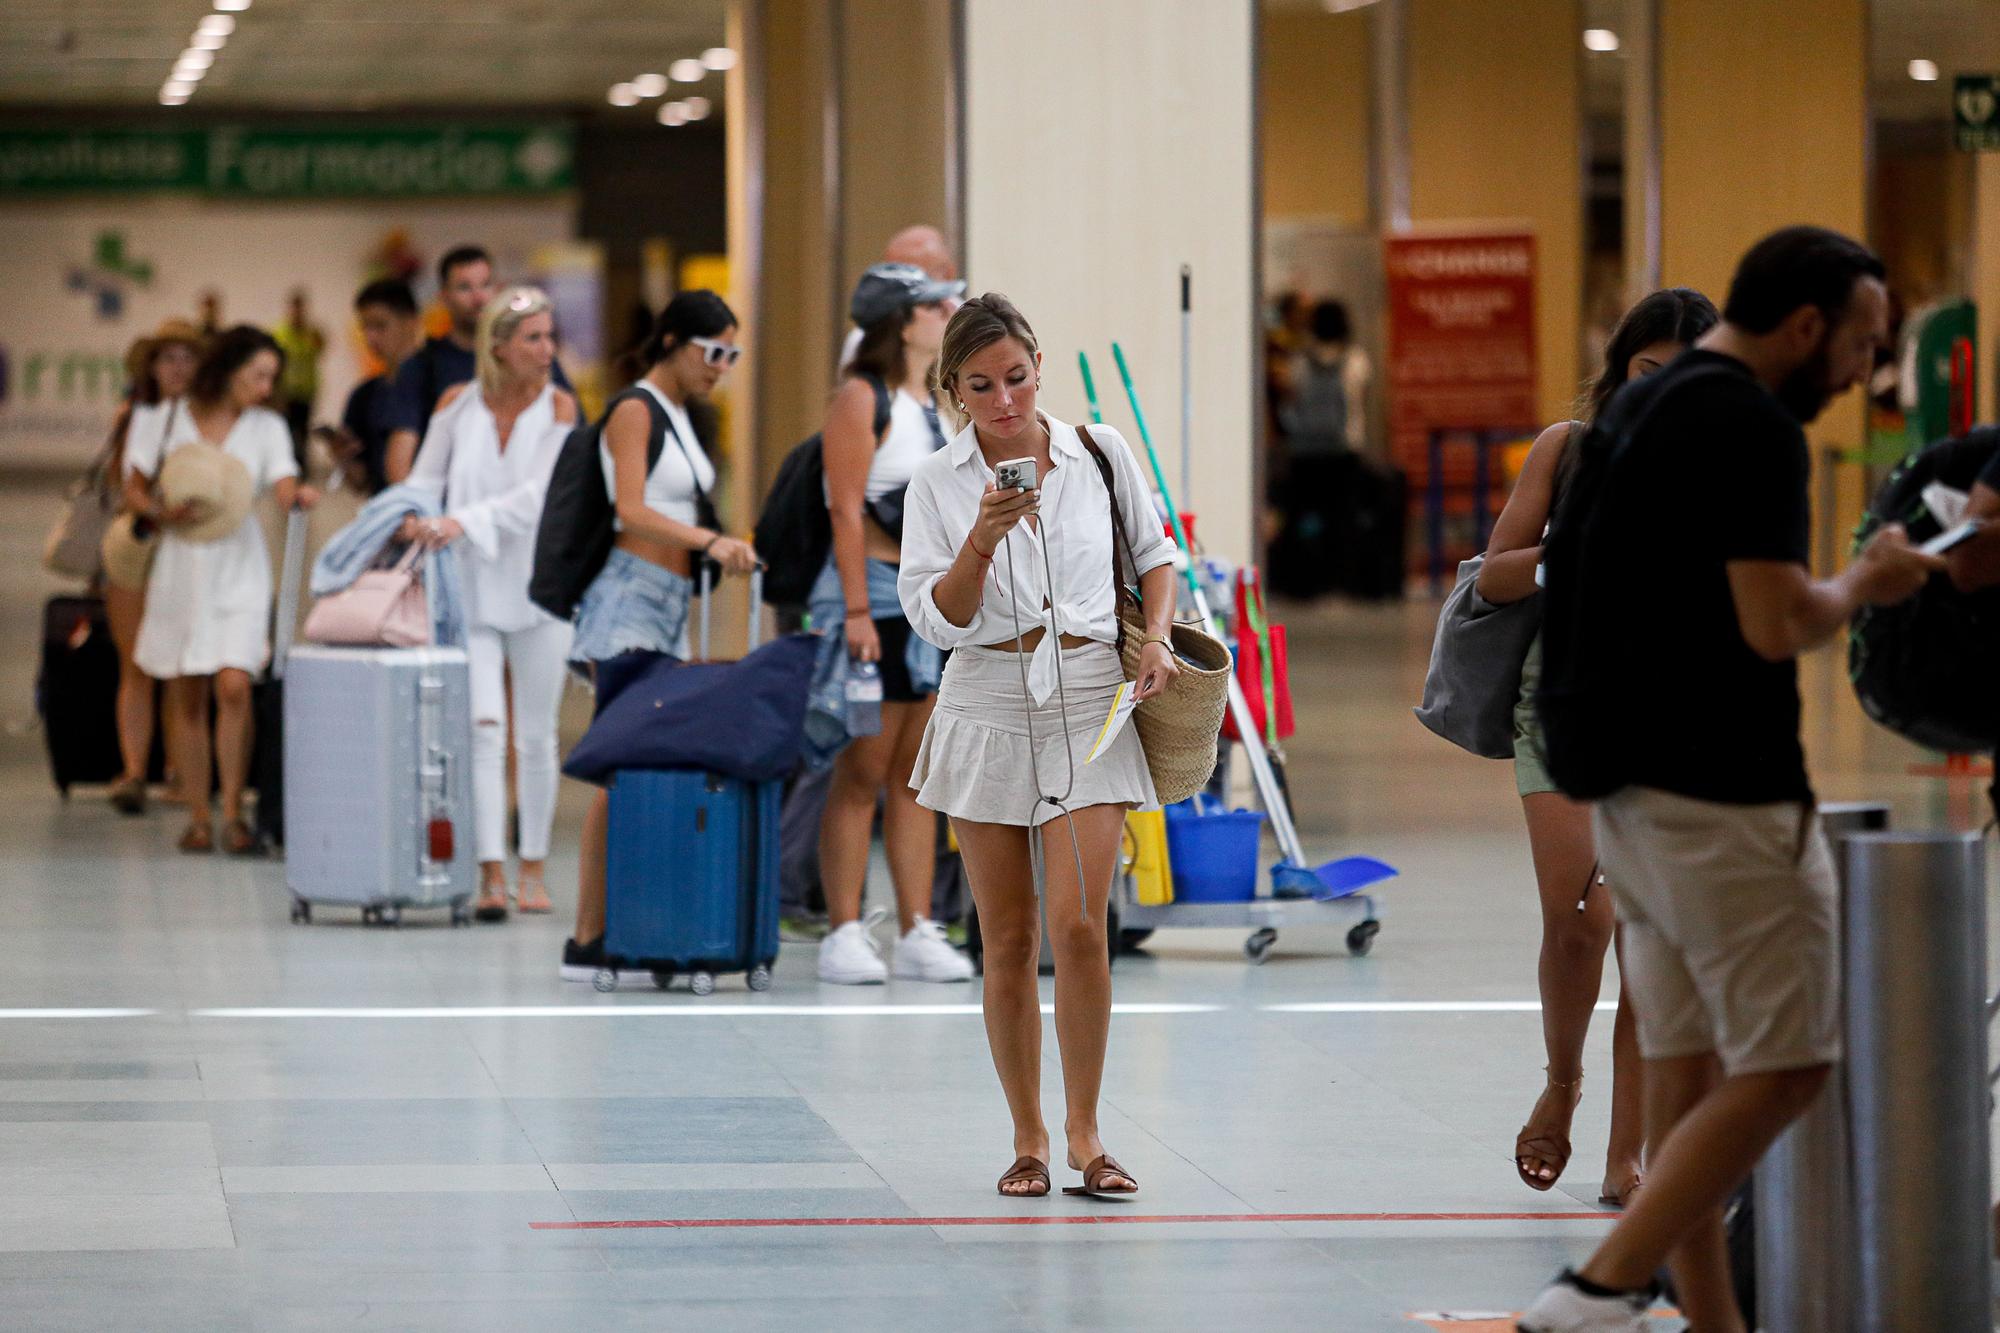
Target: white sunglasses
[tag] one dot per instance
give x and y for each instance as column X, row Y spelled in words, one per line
column 715, row 353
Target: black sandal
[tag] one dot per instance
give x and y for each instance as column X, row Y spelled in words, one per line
column 1032, row 1170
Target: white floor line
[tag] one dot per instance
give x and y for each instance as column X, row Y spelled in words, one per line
column 700, row 1009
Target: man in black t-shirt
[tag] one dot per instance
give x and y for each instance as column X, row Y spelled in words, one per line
column 1722, row 879
column 465, row 285
column 388, row 314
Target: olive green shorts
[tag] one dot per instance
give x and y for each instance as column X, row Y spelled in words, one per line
column 1531, row 765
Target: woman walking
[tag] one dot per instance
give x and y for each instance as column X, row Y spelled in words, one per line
column 1577, row 921
column 1022, row 584
column 485, row 461
column 161, row 367
column 901, row 313
column 206, row 626
column 640, row 600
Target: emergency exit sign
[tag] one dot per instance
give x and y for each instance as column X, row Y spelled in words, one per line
column 1975, row 113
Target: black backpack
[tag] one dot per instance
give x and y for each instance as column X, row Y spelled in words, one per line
column 1584, row 709
column 794, row 533
column 575, row 535
column 1929, row 668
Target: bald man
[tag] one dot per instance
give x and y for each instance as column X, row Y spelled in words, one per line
column 922, row 245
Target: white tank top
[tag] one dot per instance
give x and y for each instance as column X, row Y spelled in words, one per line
column 908, row 442
column 670, row 486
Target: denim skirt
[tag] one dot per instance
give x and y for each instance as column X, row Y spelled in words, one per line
column 632, row 605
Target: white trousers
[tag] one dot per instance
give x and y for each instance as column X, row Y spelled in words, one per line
column 535, row 659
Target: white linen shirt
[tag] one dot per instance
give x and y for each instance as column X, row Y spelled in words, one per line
column 496, row 495
column 1075, row 522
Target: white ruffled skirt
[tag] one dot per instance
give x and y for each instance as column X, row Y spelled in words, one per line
column 975, row 762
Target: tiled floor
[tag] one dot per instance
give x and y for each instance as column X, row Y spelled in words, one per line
column 392, row 1158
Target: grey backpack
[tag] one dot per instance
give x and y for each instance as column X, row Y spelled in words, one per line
column 1475, row 673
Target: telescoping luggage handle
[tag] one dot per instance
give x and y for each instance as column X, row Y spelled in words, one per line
column 756, row 608
column 290, row 578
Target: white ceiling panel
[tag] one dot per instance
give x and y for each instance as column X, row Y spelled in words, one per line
column 354, row 54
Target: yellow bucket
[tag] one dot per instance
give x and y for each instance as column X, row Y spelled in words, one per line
column 1146, row 852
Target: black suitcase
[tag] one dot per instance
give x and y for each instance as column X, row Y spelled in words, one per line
column 267, row 746
column 76, row 692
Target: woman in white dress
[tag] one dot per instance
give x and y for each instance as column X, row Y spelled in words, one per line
column 486, row 460
column 206, row 630
column 162, row 367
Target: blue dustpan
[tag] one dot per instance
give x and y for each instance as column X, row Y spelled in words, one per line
column 1336, row 879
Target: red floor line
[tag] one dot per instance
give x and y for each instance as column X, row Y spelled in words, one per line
column 1060, row 1220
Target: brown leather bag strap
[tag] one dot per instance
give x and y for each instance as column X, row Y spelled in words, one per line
column 1121, row 541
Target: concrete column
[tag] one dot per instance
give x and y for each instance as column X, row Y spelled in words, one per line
column 1764, row 123
column 1986, row 279
column 1105, row 146
column 784, row 230
column 896, row 125
column 1315, row 81
column 1495, row 132
column 1641, row 35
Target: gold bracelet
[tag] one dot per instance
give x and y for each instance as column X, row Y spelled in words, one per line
column 1156, row 638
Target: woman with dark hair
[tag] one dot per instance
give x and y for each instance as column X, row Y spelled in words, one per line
column 161, row 368
column 640, row 599
column 901, row 312
column 206, row 629
column 1577, row 920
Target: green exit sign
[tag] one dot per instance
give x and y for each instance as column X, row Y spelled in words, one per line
column 1975, row 113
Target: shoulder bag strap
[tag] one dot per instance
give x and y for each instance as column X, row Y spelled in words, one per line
column 1121, row 541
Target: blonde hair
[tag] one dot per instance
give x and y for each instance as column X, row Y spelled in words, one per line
column 497, row 322
column 978, row 324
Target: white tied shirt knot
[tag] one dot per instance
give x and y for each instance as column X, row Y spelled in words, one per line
column 1074, row 524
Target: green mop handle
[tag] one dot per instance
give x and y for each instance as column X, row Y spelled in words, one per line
column 1153, row 457
column 1089, row 388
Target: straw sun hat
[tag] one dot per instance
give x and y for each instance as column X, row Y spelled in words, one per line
column 217, row 483
column 140, row 355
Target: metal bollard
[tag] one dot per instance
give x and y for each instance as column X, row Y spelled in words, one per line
column 1805, row 1216
column 1915, row 919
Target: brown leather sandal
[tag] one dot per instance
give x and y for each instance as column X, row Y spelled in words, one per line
column 1033, row 1171
column 1546, row 1146
column 198, row 838
column 239, row 839
column 1098, row 1174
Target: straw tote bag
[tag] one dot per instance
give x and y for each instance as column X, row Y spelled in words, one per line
column 1177, row 729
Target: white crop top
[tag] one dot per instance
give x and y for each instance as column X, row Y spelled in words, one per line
column 670, row 486
column 908, row 442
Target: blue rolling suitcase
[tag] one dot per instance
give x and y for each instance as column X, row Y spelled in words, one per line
column 691, row 866
column 691, row 877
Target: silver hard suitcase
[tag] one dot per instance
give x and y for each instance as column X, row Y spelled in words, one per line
column 378, row 781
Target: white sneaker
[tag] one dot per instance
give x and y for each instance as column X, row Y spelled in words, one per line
column 926, row 955
column 1564, row 1307
column 850, row 957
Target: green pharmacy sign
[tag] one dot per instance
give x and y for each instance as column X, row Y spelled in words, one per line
column 242, row 161
column 1975, row 113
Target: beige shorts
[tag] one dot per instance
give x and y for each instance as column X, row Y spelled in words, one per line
column 1730, row 920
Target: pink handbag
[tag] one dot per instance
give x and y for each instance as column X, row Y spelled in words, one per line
column 384, row 608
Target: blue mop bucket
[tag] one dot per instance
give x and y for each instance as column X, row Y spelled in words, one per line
column 1214, row 855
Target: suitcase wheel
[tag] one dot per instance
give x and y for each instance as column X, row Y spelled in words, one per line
column 605, row 981
column 760, row 978
column 663, row 977
column 1258, row 947
column 702, row 983
column 302, row 912
column 1362, row 938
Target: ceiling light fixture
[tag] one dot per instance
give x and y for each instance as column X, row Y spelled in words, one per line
column 183, row 74
column 232, row 6
column 1344, row 6
column 195, row 58
column 674, row 114
column 718, row 58
column 219, row 25
column 650, row 85
column 1601, row 40
column 206, row 41
column 1924, row 71
column 698, row 107
column 688, row 71
column 622, row 94
column 172, row 99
